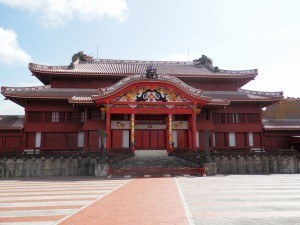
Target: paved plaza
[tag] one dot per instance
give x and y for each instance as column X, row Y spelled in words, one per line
column 234, row 199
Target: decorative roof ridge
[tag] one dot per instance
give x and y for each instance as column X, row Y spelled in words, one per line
column 135, row 78
column 251, row 71
column 34, row 66
column 32, row 88
column 139, row 61
column 263, row 93
column 81, row 58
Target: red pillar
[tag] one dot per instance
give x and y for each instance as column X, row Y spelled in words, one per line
column 108, row 131
column 262, row 144
column 170, row 134
column 132, row 132
column 190, row 145
column 167, row 135
column 86, row 140
column 194, row 132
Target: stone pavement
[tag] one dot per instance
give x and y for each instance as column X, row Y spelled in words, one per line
column 222, row 200
column 44, row 201
column 243, row 199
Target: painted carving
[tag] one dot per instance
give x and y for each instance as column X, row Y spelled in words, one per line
column 145, row 94
column 150, row 96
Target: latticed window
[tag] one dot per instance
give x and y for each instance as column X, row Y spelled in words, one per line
column 218, row 118
column 236, row 118
column 82, row 117
column 94, row 114
column 204, row 115
column 253, row 118
column 150, row 119
column 75, row 117
column 55, row 117
column 35, row 116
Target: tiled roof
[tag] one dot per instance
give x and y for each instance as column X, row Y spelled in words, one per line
column 130, row 67
column 281, row 124
column 244, row 95
column 8, row 122
column 77, row 95
column 44, row 92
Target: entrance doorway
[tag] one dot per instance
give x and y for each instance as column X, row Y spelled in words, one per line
column 150, row 139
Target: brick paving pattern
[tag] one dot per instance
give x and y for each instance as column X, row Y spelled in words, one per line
column 145, row 201
column 46, row 201
column 243, row 199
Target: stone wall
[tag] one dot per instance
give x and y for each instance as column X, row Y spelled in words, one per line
column 257, row 164
column 88, row 166
column 52, row 166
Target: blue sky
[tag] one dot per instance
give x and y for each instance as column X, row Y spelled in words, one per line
column 235, row 34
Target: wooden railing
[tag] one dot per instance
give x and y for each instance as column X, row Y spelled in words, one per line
column 156, row 171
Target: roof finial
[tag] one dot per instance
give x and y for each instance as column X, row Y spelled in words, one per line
column 151, row 72
column 77, row 57
column 203, row 60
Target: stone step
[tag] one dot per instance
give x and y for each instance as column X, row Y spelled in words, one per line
column 152, row 162
column 150, row 153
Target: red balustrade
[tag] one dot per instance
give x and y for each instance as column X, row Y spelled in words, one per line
column 156, row 171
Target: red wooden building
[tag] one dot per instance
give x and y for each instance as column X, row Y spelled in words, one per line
column 140, row 105
column 282, row 125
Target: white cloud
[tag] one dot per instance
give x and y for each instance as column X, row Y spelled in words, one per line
column 58, row 12
column 10, row 108
column 10, row 51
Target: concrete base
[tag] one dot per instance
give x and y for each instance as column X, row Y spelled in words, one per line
column 150, row 153
column 210, row 169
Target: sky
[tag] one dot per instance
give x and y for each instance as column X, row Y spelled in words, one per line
column 235, row 34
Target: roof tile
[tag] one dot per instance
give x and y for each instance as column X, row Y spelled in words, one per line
column 10, row 122
column 125, row 67
column 281, row 124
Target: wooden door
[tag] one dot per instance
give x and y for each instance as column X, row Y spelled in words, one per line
column 182, row 139
column 138, row 139
column 161, row 137
column 150, row 139
column 146, row 139
column 153, row 139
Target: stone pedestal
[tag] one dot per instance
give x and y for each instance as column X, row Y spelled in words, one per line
column 210, row 168
column 101, row 170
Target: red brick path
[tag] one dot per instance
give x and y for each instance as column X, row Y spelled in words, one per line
column 141, row 201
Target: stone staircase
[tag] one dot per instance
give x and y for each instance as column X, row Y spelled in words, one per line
column 153, row 162
column 150, row 163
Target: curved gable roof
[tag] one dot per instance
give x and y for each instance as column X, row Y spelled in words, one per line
column 131, row 82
